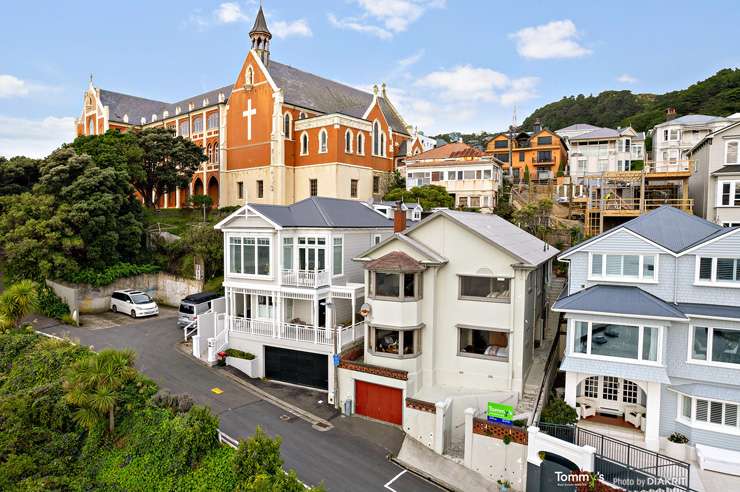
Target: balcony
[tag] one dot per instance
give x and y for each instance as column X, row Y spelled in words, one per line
column 295, row 332
column 305, row 278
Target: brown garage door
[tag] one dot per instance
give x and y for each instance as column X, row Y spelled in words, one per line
column 379, row 402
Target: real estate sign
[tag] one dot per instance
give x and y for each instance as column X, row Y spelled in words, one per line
column 498, row 412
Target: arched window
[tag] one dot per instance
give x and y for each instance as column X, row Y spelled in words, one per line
column 287, row 126
column 301, row 115
column 323, row 141
column 209, row 153
column 348, row 141
column 216, row 157
column 91, row 127
column 304, row 143
column 382, row 144
column 376, row 138
column 360, row 143
column 250, row 75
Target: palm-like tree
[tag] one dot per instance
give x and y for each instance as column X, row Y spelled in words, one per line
column 17, row 301
column 94, row 385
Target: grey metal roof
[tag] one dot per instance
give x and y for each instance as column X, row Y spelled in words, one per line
column 324, row 212
column 711, row 391
column 729, row 169
column 626, row 370
column 711, row 310
column 518, row 242
column 597, row 134
column 693, row 119
column 577, row 127
column 624, row 300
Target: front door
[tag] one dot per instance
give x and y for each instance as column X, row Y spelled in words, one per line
column 297, row 367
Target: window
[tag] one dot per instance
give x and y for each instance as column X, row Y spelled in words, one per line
column 501, row 144
column 522, row 156
column 353, row 188
column 718, row 270
column 264, row 307
column 630, row 392
column 91, row 127
column 313, row 186
column 401, row 343
column 395, row 286
column 495, row 289
column 715, row 345
column 387, row 284
column 730, row 224
column 544, row 140
column 260, row 188
column 732, row 156
column 216, row 157
column 240, row 189
column 591, row 387
column 312, row 254
column 304, row 143
column 288, row 253
column 249, row 255
column 197, row 125
column 376, row 138
column 212, row 122
column 338, row 255
column 728, row 194
column 376, row 184
column 184, row 128
column 376, row 239
column 619, row 267
column 323, row 141
column 301, row 115
column 360, row 144
column 348, row 142
column 610, row 388
column 708, row 414
column 483, row 343
column 250, row 76
column 544, row 156
column 634, row 342
column 382, row 144
column 288, row 126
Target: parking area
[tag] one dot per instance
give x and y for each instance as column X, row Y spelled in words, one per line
column 109, row 319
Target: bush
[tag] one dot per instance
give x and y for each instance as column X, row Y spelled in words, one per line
column 559, row 412
column 50, row 305
column 175, row 403
column 239, row 354
column 98, row 278
column 214, row 285
column 678, row 438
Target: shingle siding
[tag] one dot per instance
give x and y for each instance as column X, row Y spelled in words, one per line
column 356, row 243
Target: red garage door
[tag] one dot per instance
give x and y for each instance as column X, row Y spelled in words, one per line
column 379, row 402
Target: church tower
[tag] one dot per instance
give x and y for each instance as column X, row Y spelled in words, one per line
column 261, row 36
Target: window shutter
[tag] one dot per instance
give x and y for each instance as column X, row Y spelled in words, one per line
column 730, row 415
column 705, row 268
column 614, row 265
column 715, row 416
column 702, row 410
column 725, row 269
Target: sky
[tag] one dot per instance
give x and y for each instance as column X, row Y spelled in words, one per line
column 450, row 65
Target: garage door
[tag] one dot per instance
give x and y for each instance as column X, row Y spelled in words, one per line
column 296, row 367
column 379, row 402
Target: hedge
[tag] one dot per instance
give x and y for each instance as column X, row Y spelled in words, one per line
column 98, row 278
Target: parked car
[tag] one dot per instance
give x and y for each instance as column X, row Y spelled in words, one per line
column 133, row 302
column 194, row 305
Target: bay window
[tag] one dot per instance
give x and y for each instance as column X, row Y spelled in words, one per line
column 719, row 345
column 635, row 342
column 708, row 414
column 711, row 270
column 623, row 267
column 396, row 342
column 249, row 255
column 395, row 286
column 483, row 343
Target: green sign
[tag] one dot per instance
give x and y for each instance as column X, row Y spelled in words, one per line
column 498, row 412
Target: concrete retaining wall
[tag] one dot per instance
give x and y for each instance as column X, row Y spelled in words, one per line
column 420, row 425
column 165, row 288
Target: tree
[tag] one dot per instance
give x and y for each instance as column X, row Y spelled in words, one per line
column 17, row 301
column 18, row 175
column 527, row 175
column 428, row 196
column 201, row 201
column 168, row 163
column 205, row 242
column 534, row 217
column 397, row 181
column 95, row 385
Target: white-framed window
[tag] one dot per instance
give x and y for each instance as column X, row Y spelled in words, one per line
column 348, row 141
column 302, row 115
column 619, row 267
column 198, row 124
column 591, row 387
column 249, row 255
column 184, row 129
column 717, row 271
column 732, row 152
column 482, row 343
column 611, row 389
column 383, row 148
column 304, row 143
column 288, row 125
column 360, row 143
column 288, row 248
column 91, row 127
column 708, row 414
column 400, row 343
column 730, row 224
column 395, row 286
column 375, row 239
column 671, row 135
column 716, row 346
column 611, row 340
column 265, row 307
column 376, row 138
column 212, row 121
column 728, row 193
column 323, row 141
column 337, row 256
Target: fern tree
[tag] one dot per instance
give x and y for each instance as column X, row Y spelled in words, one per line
column 19, row 300
column 95, row 385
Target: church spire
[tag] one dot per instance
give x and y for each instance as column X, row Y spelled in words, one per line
column 261, row 36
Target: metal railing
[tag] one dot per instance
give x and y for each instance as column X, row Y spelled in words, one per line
column 285, row 331
column 624, row 464
column 348, row 334
column 189, row 329
column 306, row 278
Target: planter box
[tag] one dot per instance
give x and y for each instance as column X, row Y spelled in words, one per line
column 676, row 450
column 248, row 367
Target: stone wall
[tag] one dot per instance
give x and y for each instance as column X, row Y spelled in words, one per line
column 165, row 288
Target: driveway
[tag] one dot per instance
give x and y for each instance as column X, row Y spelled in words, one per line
column 342, row 460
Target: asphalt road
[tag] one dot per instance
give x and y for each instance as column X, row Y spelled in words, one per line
column 343, row 461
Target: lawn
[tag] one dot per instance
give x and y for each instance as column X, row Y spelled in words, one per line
column 177, row 220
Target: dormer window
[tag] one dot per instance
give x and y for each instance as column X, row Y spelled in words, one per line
column 166, row 114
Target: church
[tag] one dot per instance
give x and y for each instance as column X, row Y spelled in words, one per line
column 275, row 136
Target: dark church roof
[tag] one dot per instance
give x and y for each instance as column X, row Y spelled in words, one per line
column 260, row 25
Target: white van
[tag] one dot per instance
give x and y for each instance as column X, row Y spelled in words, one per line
column 193, row 306
column 133, row 302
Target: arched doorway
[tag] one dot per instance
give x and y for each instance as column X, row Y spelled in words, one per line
column 198, row 187
column 213, row 191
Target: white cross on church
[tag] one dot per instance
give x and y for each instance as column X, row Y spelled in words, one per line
column 248, row 115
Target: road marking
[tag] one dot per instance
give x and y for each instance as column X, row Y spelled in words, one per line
column 388, row 485
column 217, row 391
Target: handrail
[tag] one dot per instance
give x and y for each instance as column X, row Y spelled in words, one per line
column 187, row 334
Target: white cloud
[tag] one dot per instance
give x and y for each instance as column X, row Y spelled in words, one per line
column 519, row 90
column 466, row 83
column 626, row 78
column 230, row 12
column 34, row 138
column 412, row 59
column 556, row 39
column 284, row 29
column 385, row 18
column 12, row 86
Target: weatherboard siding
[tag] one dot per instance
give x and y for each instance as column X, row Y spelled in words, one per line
column 688, row 291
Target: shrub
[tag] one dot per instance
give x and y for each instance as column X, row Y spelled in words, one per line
column 50, row 305
column 678, row 438
column 175, row 403
column 239, row 354
column 214, row 285
column 559, row 412
column 112, row 273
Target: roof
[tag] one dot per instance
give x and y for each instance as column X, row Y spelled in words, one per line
column 729, row 169
column 260, row 25
column 709, row 310
column 622, row 300
column 710, row 391
column 395, row 261
column 502, row 233
column 666, row 226
column 578, row 127
column 448, row 151
column 626, row 370
column 693, row 119
column 324, row 212
column 487, row 160
column 598, row 133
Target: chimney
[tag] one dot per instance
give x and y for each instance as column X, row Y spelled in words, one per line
column 537, row 126
column 399, row 218
column 670, row 113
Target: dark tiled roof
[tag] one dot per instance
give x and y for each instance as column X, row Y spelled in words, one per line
column 619, row 300
column 711, row 310
column 324, row 212
column 395, row 261
column 260, row 25
column 729, row 169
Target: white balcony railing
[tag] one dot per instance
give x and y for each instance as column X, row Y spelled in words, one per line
column 348, row 334
column 284, row 331
column 306, row 278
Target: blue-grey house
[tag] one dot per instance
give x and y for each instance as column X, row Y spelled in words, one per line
column 653, row 339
